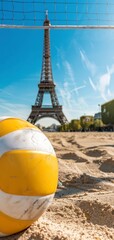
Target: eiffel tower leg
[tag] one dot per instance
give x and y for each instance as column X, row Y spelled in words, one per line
column 61, row 118
column 39, row 98
column 54, row 98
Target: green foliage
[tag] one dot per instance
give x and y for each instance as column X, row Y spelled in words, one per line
column 98, row 124
column 86, row 122
column 64, row 128
column 75, row 125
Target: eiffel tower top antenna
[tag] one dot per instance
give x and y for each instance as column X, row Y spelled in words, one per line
column 46, row 21
column 46, row 14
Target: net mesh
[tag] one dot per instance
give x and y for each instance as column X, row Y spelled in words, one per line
column 61, row 12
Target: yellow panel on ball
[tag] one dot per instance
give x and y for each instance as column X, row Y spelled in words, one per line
column 28, row 174
column 8, row 225
column 11, row 124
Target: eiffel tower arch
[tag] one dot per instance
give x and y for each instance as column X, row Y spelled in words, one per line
column 47, row 86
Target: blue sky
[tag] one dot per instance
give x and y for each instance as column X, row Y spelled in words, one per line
column 82, row 65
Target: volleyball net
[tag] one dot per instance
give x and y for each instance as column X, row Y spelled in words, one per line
column 61, row 13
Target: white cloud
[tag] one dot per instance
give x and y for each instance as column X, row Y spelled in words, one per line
column 77, row 88
column 109, row 93
column 92, row 84
column 79, row 107
column 104, row 83
column 65, row 95
column 90, row 66
column 111, row 70
column 73, row 106
column 16, row 110
column 2, row 91
column 58, row 65
column 69, row 71
column 71, row 78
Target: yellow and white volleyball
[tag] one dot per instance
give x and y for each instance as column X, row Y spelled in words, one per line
column 28, row 174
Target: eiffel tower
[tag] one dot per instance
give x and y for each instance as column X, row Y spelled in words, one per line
column 47, row 86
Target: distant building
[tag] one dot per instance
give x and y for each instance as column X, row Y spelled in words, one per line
column 107, row 112
column 39, row 126
column 52, row 128
column 97, row 116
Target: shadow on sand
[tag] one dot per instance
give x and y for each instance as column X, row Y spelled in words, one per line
column 85, row 183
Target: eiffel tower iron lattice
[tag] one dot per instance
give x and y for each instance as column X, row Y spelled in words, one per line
column 47, row 85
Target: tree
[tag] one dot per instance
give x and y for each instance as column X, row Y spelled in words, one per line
column 64, row 127
column 86, row 122
column 75, row 125
column 98, row 124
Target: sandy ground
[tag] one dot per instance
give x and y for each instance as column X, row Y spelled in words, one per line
column 83, row 207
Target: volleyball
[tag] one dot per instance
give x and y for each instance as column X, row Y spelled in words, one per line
column 28, row 174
